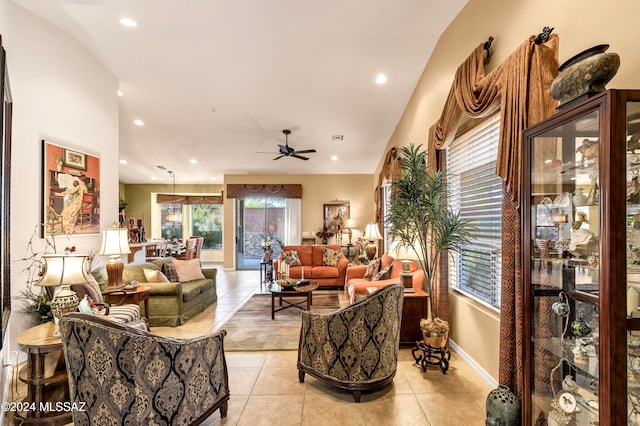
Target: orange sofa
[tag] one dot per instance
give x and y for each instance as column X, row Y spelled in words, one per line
column 314, row 269
column 357, row 284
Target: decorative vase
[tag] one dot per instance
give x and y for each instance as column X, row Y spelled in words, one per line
column 435, row 333
column 325, row 241
column 579, row 197
column 503, row 408
column 585, row 74
column 560, row 308
column 580, row 328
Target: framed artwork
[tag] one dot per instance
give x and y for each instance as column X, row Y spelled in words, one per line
column 336, row 214
column 71, row 191
column 74, row 159
column 5, row 186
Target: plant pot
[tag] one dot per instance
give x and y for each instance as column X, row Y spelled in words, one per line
column 435, row 333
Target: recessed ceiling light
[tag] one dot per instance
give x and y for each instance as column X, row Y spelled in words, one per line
column 120, row 92
column 154, row 178
column 193, row 161
column 123, row 161
column 138, row 122
column 381, row 78
column 334, row 157
column 128, row 22
column 214, row 178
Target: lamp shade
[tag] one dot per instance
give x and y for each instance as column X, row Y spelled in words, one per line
column 350, row 224
column 371, row 232
column 173, row 217
column 63, row 269
column 115, row 241
column 400, row 251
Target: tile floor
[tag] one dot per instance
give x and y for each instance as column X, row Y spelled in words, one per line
column 265, row 389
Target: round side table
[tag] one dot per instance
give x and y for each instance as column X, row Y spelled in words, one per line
column 45, row 375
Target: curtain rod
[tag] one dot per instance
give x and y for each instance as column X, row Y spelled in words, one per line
column 543, row 37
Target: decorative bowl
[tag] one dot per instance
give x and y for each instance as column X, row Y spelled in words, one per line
column 287, row 283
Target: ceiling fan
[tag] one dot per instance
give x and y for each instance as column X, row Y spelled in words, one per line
column 286, row 151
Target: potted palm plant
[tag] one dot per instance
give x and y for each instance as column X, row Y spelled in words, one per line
column 420, row 219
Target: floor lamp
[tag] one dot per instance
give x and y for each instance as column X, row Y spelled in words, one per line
column 371, row 234
column 62, row 271
column 115, row 242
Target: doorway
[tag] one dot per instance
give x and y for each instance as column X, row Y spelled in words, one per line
column 259, row 221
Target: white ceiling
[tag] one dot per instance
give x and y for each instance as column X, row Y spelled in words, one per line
column 218, row 80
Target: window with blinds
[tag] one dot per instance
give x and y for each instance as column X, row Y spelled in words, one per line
column 476, row 191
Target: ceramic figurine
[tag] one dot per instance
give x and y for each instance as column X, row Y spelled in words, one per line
column 580, row 328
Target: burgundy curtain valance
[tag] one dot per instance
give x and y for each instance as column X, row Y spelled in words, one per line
column 264, row 190
column 189, row 199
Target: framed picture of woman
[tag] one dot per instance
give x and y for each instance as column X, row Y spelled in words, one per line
column 71, row 188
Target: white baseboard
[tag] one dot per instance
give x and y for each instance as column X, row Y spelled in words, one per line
column 476, row 367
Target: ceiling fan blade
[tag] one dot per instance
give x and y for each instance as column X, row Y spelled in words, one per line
column 305, row 151
column 278, row 157
column 299, row 157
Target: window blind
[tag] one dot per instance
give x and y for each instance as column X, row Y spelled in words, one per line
column 476, row 191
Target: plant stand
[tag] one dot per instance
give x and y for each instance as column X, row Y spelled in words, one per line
column 426, row 355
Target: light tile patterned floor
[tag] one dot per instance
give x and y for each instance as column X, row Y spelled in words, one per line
column 265, row 389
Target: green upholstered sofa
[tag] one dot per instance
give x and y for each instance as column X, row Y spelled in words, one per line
column 172, row 304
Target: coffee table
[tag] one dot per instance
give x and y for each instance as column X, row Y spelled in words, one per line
column 299, row 291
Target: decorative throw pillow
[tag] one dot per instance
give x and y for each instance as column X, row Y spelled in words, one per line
column 384, row 274
column 92, row 290
column 154, row 276
column 331, row 257
column 291, row 257
column 188, row 270
column 372, row 268
column 170, row 272
column 85, row 306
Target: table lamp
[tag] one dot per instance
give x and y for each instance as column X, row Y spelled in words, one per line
column 371, row 234
column 63, row 271
column 405, row 255
column 115, row 242
column 349, row 225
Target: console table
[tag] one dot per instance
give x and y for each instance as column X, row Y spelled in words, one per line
column 45, row 375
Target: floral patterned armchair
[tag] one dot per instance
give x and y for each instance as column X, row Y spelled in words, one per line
column 355, row 348
column 123, row 375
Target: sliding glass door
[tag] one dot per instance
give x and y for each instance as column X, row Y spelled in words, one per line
column 258, row 220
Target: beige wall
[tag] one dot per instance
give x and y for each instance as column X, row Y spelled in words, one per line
column 580, row 24
column 316, row 191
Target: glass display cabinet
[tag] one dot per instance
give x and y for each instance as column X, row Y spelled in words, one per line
column 580, row 206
